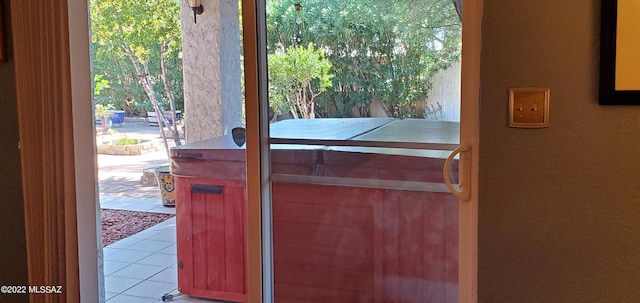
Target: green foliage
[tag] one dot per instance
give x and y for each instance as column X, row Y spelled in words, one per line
column 99, row 84
column 125, row 140
column 141, row 27
column 102, row 110
column 296, row 77
column 386, row 49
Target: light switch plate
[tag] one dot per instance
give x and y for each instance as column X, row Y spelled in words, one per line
column 529, row 107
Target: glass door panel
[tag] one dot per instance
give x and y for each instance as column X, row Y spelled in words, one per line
column 359, row 207
column 210, row 170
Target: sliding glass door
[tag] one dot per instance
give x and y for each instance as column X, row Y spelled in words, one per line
column 357, row 129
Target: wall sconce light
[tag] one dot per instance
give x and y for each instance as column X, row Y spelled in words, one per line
column 197, row 8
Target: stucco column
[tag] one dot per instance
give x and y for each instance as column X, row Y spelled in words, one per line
column 211, row 59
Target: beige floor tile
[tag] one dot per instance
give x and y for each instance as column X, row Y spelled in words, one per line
column 115, row 284
column 138, row 271
column 152, row 289
column 159, row 260
column 109, row 295
column 150, row 245
column 131, row 299
column 172, row 249
column 164, row 236
column 124, row 243
column 111, row 266
column 169, row 275
column 127, row 255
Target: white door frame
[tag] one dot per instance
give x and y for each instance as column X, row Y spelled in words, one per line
column 256, row 87
column 470, row 135
column 260, row 276
column 87, row 203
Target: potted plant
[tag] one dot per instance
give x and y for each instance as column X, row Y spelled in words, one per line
column 102, row 112
column 117, row 116
column 166, row 185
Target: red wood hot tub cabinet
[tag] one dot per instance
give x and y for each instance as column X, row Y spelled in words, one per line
column 331, row 243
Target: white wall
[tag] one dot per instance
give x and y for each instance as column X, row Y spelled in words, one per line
column 446, row 90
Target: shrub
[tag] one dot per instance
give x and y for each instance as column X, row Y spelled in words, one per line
column 125, row 140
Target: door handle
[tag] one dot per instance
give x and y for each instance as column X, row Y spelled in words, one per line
column 463, row 193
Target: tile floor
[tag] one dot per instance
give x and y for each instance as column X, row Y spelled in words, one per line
column 142, row 268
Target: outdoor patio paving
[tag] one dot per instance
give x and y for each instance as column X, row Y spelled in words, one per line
column 140, row 268
column 119, row 176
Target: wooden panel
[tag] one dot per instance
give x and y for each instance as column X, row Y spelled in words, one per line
column 200, row 256
column 211, row 239
column 378, row 251
column 212, row 169
column 347, row 217
column 286, row 293
column 391, row 267
column 451, row 237
column 325, row 256
column 380, row 161
column 332, row 244
column 184, row 235
column 322, row 277
column 298, row 157
column 420, row 235
column 235, row 239
column 211, row 222
column 310, row 234
column 400, row 246
column 323, row 243
column 384, row 167
column 409, row 249
column 318, row 195
column 217, row 295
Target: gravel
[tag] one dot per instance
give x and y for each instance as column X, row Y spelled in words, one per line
column 119, row 224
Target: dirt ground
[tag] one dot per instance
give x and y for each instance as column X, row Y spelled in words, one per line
column 119, row 224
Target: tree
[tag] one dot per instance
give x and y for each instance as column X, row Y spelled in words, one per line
column 458, row 5
column 381, row 49
column 144, row 32
column 125, row 92
column 296, row 78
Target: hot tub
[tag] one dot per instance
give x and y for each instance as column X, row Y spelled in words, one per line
column 350, row 223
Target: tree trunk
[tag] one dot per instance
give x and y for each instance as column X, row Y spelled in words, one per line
column 305, row 103
column 143, row 77
column 294, row 112
column 458, row 5
column 312, row 110
column 167, row 88
column 313, row 102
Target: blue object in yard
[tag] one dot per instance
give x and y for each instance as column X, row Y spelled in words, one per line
column 105, row 122
column 178, row 115
column 117, row 116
